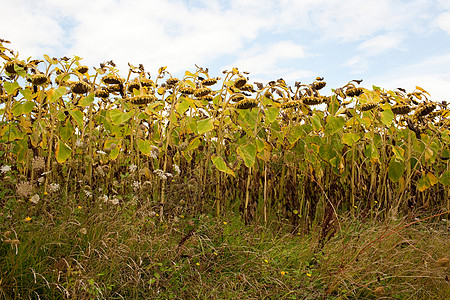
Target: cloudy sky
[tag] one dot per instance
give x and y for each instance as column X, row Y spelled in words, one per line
column 388, row 43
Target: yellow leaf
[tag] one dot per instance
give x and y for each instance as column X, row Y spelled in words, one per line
column 433, row 180
column 422, row 90
column 162, row 69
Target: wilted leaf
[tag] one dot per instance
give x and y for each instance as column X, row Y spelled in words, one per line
column 206, row 125
column 334, row 124
column 221, row 165
column 85, row 101
column 248, row 154
column 63, row 152
column 445, row 178
column 396, row 169
column 387, row 116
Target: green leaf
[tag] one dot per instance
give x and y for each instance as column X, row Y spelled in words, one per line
column 248, row 154
column 194, row 144
column 182, row 107
column 63, row 152
column 119, row 117
column 334, row 124
column 28, row 107
column 327, row 152
column 423, row 184
column 399, row 153
column 221, row 165
column 10, row 87
column 445, row 178
column 85, row 101
column 77, row 116
column 387, row 116
column 396, row 169
column 65, row 132
column 145, row 146
column 294, row 134
column 316, row 123
column 17, row 108
column 27, row 94
column 206, row 125
column 271, row 114
column 350, row 138
column 59, row 92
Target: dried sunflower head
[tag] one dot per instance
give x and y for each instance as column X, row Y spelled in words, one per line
column 172, row 81
column 134, row 85
column 202, row 92
column 237, row 97
column 80, row 87
column 187, row 90
column 209, row 81
column 292, row 103
column 39, row 79
column 208, row 98
column 240, row 82
column 424, row 109
column 147, row 82
column 143, row 99
column 82, row 69
column 112, row 79
column 248, row 88
column 401, row 109
column 9, row 66
column 368, row 106
column 312, row 100
column 317, row 85
column 246, row 103
column 354, row 92
column 102, row 92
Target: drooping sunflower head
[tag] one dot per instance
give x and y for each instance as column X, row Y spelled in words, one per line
column 290, row 104
column 246, row 103
column 368, row 106
column 237, row 97
column 309, row 100
column 318, row 85
column 134, row 85
column 201, row 92
column 248, row 88
column 188, row 90
column 80, row 87
column 172, row 81
column 240, row 82
column 9, row 66
column 112, row 79
column 39, row 79
column 143, row 99
column 82, row 69
column 401, row 109
column 354, row 91
column 102, row 93
column 209, row 81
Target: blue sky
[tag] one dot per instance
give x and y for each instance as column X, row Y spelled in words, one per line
column 388, row 43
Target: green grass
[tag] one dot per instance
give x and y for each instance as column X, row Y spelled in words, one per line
column 125, row 252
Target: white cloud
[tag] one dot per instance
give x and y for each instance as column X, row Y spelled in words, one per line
column 431, row 74
column 357, row 64
column 265, row 61
column 443, row 21
column 380, row 44
column 353, row 19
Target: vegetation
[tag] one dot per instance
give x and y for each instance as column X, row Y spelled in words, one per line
column 207, row 187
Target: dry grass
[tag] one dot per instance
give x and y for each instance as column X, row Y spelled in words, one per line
column 127, row 253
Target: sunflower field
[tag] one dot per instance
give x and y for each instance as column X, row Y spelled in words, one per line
column 209, row 144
